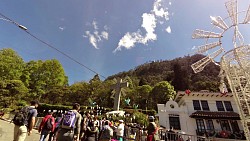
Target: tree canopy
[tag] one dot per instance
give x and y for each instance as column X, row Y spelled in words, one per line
column 149, row 84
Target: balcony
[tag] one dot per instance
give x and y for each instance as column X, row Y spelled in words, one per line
column 222, row 134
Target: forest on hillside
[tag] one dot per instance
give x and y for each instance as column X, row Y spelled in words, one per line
column 178, row 72
column 149, row 83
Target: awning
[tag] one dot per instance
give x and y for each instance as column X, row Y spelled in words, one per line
column 215, row 115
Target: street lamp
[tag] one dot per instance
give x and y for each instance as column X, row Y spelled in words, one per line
column 17, row 24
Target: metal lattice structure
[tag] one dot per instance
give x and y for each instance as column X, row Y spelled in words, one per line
column 235, row 64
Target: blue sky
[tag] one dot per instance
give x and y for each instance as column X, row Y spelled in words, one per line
column 109, row 36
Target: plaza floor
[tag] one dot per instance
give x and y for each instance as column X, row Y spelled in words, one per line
column 7, row 130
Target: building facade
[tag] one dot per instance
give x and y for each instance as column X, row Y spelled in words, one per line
column 202, row 113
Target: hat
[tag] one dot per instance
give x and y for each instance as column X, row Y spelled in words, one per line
column 121, row 120
column 151, row 117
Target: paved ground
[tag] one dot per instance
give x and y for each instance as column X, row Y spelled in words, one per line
column 7, row 129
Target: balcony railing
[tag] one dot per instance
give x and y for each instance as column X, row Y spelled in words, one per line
column 221, row 134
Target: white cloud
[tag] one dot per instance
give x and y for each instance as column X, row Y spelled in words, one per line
column 61, row 28
column 168, row 29
column 159, row 10
column 93, row 41
column 94, row 24
column 158, row 14
column 95, row 37
column 128, row 40
column 105, row 27
column 149, row 24
column 105, row 35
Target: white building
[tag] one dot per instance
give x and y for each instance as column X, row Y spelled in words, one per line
column 199, row 113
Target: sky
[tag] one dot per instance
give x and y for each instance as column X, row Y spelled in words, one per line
column 111, row 36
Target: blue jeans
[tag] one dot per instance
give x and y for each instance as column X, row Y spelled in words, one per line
column 44, row 134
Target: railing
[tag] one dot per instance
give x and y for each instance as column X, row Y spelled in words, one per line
column 175, row 136
column 222, row 134
column 163, row 136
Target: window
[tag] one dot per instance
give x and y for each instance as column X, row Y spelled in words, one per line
column 210, row 125
column 235, row 126
column 220, row 106
column 204, row 105
column 228, row 106
column 175, row 123
column 196, row 105
column 225, row 125
column 200, row 125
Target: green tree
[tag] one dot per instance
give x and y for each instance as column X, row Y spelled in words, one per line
column 57, row 95
column 12, row 91
column 80, row 92
column 180, row 81
column 161, row 93
column 144, row 92
column 11, row 65
column 44, row 76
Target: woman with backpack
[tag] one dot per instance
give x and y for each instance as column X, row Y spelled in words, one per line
column 46, row 126
column 52, row 135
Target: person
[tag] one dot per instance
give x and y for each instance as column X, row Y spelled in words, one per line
column 126, row 131
column 70, row 132
column 180, row 138
column 85, row 121
column 102, row 123
column 120, row 130
column 46, row 126
column 138, row 134
column 189, row 138
column 53, row 135
column 91, row 132
column 97, row 124
column 152, row 130
column 21, row 130
column 106, row 133
column 171, row 134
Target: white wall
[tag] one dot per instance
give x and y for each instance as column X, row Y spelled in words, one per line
column 184, row 110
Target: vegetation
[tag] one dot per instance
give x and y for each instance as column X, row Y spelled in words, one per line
column 149, row 84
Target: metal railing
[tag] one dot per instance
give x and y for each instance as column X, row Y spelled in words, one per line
column 222, row 134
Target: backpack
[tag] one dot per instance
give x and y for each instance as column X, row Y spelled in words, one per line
column 48, row 124
column 58, row 121
column 22, row 116
column 106, row 133
column 69, row 119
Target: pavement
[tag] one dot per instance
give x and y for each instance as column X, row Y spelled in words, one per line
column 7, row 131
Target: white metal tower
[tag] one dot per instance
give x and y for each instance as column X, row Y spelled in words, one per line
column 235, row 63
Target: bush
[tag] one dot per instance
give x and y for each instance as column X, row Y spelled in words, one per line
column 149, row 112
column 141, row 118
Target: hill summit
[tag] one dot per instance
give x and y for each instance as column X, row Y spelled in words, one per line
column 178, row 72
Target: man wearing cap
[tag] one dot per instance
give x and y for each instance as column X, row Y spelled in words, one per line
column 120, row 130
column 20, row 131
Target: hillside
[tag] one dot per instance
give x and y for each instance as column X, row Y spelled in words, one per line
column 177, row 71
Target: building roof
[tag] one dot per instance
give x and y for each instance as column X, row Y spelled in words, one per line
column 204, row 93
column 215, row 115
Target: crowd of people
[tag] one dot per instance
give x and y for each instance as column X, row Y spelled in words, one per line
column 73, row 126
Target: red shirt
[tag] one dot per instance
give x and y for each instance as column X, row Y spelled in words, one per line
column 44, row 121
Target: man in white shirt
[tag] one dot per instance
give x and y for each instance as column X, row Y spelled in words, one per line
column 120, row 130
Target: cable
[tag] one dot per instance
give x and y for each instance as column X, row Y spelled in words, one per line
column 47, row 44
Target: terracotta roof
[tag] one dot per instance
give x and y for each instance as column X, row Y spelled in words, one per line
column 215, row 115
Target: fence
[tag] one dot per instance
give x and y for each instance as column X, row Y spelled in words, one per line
column 137, row 135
